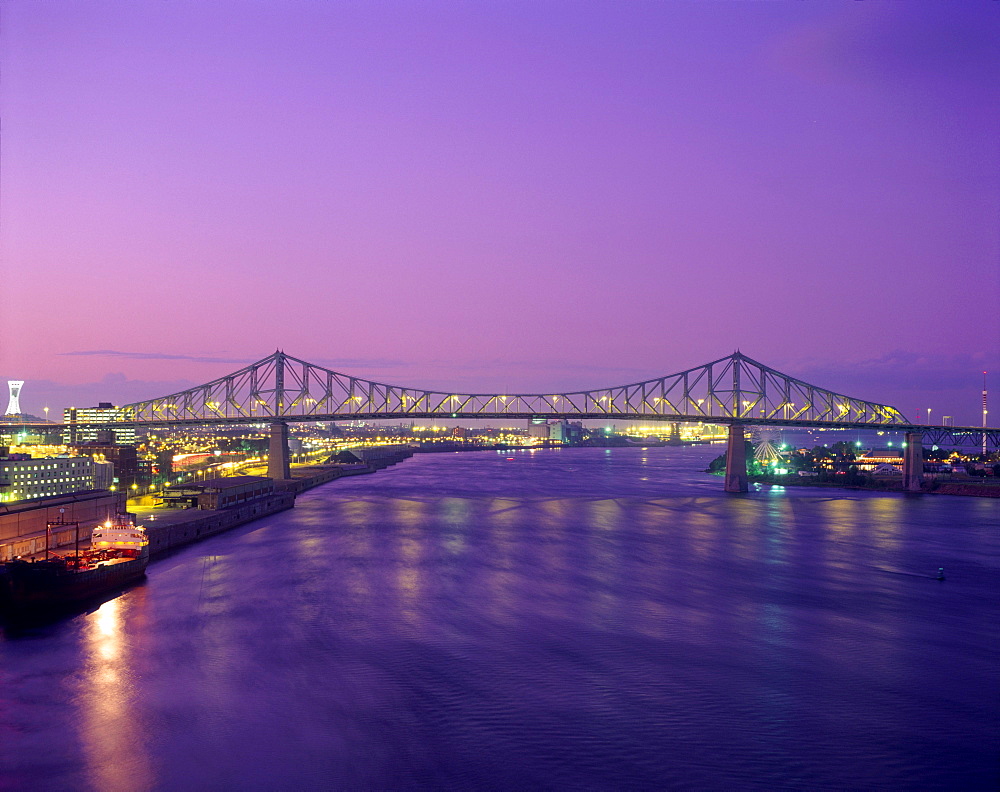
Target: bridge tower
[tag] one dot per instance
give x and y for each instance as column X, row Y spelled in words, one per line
column 736, row 460
column 277, row 458
column 913, row 462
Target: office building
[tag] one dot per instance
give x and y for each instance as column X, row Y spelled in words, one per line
column 103, row 413
column 25, row 478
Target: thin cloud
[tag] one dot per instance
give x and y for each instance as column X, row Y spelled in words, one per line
column 375, row 363
column 902, row 370
column 114, row 353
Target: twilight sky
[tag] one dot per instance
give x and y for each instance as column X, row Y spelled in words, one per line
column 501, row 196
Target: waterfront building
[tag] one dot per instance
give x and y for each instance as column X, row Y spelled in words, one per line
column 880, row 460
column 218, row 493
column 25, row 478
column 538, row 428
column 565, row 432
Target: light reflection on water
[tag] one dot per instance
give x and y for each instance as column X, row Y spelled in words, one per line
column 571, row 619
column 113, row 736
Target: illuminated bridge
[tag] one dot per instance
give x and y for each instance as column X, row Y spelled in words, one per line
column 734, row 390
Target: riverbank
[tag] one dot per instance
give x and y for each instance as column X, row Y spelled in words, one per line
column 975, row 489
column 971, row 488
column 170, row 529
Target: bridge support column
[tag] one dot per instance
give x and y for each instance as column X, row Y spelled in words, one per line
column 277, row 458
column 736, row 460
column 913, row 462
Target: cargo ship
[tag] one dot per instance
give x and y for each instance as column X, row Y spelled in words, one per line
column 118, row 556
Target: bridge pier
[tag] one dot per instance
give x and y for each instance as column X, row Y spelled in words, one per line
column 913, row 462
column 736, row 460
column 277, row 458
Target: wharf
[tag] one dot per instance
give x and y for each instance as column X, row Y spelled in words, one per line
column 22, row 531
column 306, row 477
column 169, row 529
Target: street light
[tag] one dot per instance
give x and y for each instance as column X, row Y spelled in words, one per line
column 928, row 416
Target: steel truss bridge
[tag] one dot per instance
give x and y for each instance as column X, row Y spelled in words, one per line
column 735, row 390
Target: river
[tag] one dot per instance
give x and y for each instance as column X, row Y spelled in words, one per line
column 558, row 619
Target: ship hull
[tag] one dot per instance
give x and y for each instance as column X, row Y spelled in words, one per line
column 27, row 587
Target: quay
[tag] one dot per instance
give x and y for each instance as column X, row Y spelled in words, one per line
column 170, row 529
column 204, row 513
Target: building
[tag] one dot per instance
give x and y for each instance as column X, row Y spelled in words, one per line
column 557, row 431
column 879, row 461
column 218, row 493
column 538, row 428
column 104, row 475
column 125, row 459
column 105, row 413
column 565, row 432
column 25, row 478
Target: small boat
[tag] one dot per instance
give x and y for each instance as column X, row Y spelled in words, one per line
column 118, row 556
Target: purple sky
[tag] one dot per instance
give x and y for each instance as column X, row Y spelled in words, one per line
column 501, row 196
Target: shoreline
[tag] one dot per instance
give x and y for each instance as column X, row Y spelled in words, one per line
column 970, row 489
column 173, row 529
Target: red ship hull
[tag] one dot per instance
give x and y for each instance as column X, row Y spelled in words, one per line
column 30, row 586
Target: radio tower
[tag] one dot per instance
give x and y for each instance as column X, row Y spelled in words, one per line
column 14, row 406
column 984, row 415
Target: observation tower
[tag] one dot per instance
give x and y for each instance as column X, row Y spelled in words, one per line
column 14, row 405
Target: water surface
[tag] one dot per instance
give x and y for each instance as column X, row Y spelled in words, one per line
column 579, row 618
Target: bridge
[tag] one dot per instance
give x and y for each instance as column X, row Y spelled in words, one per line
column 735, row 390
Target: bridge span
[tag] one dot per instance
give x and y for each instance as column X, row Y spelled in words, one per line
column 735, row 390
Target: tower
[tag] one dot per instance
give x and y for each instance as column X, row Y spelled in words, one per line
column 985, row 413
column 14, row 406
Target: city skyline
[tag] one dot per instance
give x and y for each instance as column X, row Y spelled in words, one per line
column 500, row 199
column 769, row 399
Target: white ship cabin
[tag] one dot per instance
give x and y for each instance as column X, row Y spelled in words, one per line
column 118, row 535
